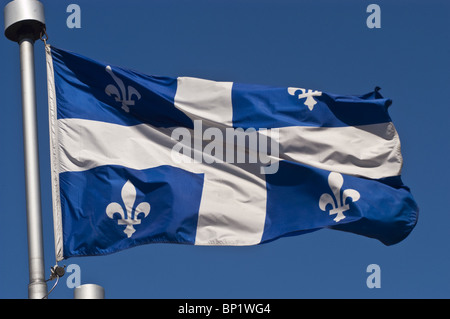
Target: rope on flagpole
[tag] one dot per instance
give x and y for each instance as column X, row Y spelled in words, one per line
column 54, row 286
column 44, row 36
column 56, row 273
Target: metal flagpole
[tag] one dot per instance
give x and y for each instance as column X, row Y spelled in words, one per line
column 24, row 23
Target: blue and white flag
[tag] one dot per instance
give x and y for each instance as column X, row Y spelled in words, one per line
column 140, row 159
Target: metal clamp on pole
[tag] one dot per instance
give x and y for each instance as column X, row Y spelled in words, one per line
column 24, row 22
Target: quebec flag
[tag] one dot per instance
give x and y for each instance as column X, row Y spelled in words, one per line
column 140, row 159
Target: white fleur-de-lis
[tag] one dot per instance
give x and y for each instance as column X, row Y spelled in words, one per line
column 127, row 217
column 121, row 96
column 335, row 181
column 310, row 102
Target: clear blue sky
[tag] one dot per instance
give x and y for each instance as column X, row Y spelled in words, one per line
column 320, row 44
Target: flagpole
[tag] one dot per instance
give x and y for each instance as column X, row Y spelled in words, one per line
column 24, row 22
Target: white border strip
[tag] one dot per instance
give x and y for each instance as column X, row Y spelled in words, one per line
column 54, row 156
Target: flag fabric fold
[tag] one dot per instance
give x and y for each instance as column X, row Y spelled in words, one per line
column 140, row 159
